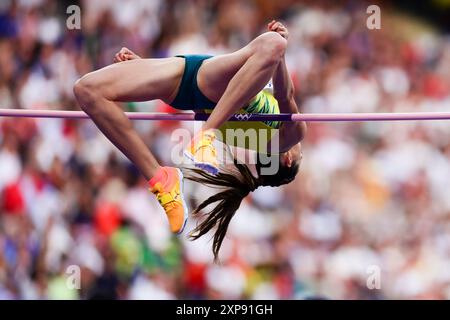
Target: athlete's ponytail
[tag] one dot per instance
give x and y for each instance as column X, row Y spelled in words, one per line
column 235, row 187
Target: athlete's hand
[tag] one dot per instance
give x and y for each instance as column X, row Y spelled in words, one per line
column 279, row 28
column 125, row 54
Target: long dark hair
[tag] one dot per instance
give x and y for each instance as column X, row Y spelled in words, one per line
column 235, row 187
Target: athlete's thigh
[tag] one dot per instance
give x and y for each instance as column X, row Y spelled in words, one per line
column 139, row 79
column 215, row 73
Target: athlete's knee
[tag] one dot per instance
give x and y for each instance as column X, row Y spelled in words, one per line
column 271, row 46
column 86, row 90
column 83, row 87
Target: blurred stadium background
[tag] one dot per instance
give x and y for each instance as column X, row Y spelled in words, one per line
column 368, row 193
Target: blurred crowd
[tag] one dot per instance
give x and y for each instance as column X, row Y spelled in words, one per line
column 371, row 199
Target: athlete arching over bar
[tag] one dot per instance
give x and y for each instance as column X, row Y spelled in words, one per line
column 225, row 83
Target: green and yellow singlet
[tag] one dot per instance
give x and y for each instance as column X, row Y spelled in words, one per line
column 253, row 135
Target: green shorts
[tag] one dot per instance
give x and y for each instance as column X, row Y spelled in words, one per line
column 189, row 96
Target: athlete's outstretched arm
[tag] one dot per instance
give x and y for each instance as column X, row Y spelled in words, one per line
column 290, row 132
column 283, row 86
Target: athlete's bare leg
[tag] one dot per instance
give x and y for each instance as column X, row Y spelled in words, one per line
column 134, row 80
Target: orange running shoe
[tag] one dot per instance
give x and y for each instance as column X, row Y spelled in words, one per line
column 167, row 185
column 202, row 152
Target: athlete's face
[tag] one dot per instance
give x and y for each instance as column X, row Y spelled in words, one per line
column 292, row 156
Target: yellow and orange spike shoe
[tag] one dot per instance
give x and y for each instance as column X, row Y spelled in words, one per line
column 167, row 185
column 202, row 152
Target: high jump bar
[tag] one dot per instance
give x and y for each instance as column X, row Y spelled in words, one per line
column 318, row 117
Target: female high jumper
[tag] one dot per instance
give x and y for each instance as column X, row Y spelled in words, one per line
column 225, row 84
